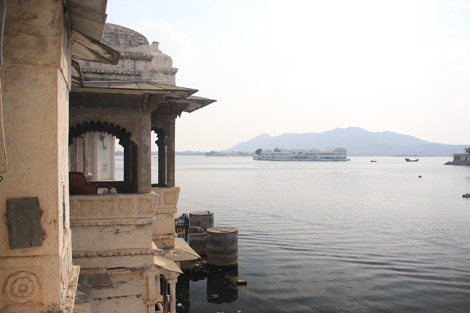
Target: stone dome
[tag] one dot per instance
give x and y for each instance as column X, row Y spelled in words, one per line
column 138, row 61
column 122, row 38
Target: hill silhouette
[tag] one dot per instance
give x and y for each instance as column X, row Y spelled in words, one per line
column 358, row 142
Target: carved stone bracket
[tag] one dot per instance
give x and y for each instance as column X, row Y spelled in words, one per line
column 162, row 140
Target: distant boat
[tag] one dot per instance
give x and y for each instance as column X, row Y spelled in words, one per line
column 373, row 161
column 411, row 160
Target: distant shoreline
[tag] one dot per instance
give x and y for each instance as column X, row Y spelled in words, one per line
column 246, row 154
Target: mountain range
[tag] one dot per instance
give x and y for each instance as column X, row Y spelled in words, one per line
column 357, row 141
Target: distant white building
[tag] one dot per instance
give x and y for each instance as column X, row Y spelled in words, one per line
column 315, row 155
column 460, row 159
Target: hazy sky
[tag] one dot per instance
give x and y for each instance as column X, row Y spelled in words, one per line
column 311, row 66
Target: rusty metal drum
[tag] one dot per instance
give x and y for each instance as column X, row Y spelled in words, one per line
column 203, row 219
column 198, row 240
column 222, row 246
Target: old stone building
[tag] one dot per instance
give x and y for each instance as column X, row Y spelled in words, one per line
column 62, row 87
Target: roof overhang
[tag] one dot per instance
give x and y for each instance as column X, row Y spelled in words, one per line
column 127, row 94
column 87, row 19
column 166, row 264
column 181, row 252
column 194, row 103
column 135, row 88
column 88, row 16
column 89, row 49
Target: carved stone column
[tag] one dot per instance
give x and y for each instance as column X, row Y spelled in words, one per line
column 152, row 292
column 161, row 143
column 74, row 165
column 172, row 283
column 144, row 156
column 129, row 170
column 157, row 285
column 171, row 153
column 85, row 155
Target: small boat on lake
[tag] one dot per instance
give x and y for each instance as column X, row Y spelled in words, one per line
column 373, row 161
column 411, row 160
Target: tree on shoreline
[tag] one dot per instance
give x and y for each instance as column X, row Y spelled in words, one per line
column 467, row 150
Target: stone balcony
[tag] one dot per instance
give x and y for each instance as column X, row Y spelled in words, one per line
column 122, row 225
column 113, row 230
column 122, row 267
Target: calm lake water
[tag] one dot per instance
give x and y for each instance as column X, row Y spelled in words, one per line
column 336, row 237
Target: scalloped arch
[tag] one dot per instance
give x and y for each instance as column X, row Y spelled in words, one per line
column 121, row 133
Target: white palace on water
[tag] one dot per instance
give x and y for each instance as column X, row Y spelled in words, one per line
column 319, row 155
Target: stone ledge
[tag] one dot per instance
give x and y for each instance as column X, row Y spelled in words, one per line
column 114, row 72
column 166, row 211
column 136, row 56
column 112, row 223
column 109, row 253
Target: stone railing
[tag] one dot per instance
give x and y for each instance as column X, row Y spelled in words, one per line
column 113, row 230
column 123, row 223
column 113, row 206
column 164, row 224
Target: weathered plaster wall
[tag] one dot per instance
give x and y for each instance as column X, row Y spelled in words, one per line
column 129, row 293
column 35, row 78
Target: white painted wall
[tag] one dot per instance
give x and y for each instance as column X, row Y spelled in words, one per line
column 100, row 155
column 103, row 149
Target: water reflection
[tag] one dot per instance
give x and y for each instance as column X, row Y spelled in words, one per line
column 355, row 237
column 221, row 285
column 182, row 294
